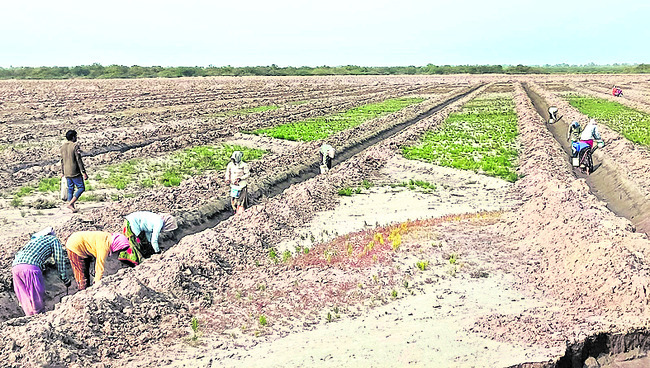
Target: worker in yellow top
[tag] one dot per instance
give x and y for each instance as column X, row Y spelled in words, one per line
column 83, row 246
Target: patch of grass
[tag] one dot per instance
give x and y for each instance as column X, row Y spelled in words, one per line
column 480, row 137
column 631, row 123
column 49, row 185
column 347, row 191
column 273, row 255
column 263, row 320
column 24, row 191
column 243, row 112
column 286, row 255
column 173, row 169
column 453, row 258
column 301, row 102
column 367, row 184
column 16, row 202
column 422, row 265
column 324, row 126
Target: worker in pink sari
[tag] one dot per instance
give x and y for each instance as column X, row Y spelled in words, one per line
column 29, row 284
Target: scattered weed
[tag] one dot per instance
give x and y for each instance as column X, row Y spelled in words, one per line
column 286, row 255
column 422, row 265
column 273, row 255
column 347, row 191
column 49, row 185
column 263, row 321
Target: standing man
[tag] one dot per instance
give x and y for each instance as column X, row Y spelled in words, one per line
column 73, row 168
column 29, row 284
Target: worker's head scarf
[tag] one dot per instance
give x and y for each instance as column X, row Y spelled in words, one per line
column 237, row 156
column 119, row 242
column 575, row 124
column 169, row 222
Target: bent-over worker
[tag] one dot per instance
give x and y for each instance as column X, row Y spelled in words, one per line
column 27, row 273
column 326, row 156
column 143, row 229
column 83, row 246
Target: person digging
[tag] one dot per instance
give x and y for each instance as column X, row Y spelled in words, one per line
column 143, row 229
column 27, row 273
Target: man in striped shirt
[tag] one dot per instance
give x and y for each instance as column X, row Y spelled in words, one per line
column 29, row 284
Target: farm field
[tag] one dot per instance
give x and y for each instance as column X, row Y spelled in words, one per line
column 451, row 231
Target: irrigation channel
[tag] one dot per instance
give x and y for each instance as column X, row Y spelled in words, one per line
column 624, row 199
column 621, row 195
column 212, row 213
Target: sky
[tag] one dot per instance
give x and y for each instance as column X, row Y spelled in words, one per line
column 314, row 33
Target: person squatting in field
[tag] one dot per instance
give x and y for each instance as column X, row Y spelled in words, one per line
column 573, row 133
column 72, row 168
column 617, row 92
column 83, row 246
column 27, row 273
column 143, row 229
column 326, row 156
column 552, row 112
column 237, row 172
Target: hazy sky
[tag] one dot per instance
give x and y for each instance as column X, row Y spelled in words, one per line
column 332, row 32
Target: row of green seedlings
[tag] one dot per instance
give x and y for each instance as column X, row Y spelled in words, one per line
column 480, row 137
column 245, row 111
column 44, row 186
column 411, row 184
column 144, row 173
column 324, row 126
column 171, row 170
column 631, row 123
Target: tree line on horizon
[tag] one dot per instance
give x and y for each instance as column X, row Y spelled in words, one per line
column 98, row 71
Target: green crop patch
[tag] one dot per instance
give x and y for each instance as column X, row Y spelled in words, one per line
column 324, row 126
column 246, row 111
column 171, row 170
column 480, row 137
column 632, row 124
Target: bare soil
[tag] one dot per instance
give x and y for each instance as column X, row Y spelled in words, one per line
column 536, row 265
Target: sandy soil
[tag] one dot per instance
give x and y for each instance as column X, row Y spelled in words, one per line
column 456, row 192
column 574, row 280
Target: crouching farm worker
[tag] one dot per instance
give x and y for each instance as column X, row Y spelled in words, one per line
column 84, row 246
column 326, row 156
column 29, row 284
column 237, row 172
column 573, row 133
column 143, row 229
column 73, row 168
column 552, row 113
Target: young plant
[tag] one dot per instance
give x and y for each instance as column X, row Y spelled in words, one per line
column 194, row 323
column 273, row 255
column 286, row 255
column 263, row 321
column 422, row 265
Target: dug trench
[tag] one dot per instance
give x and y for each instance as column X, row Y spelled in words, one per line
column 621, row 195
column 218, row 210
column 620, row 349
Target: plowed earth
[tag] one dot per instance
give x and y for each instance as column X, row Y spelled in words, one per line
column 537, row 263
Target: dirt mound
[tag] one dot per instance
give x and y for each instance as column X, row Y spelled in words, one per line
column 576, row 249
